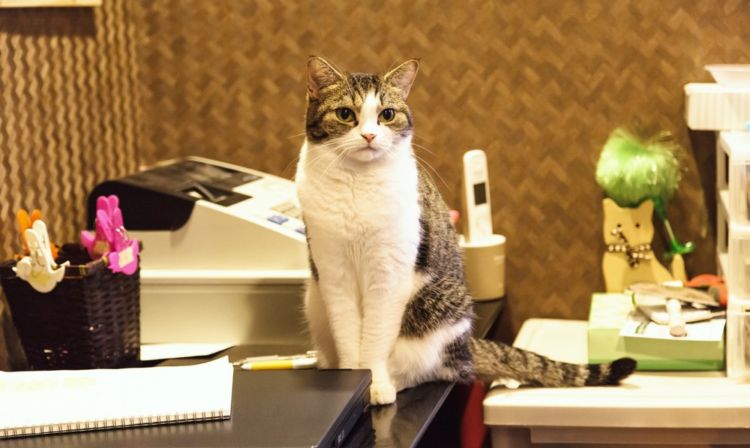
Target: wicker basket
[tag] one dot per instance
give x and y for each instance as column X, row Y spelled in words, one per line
column 90, row 320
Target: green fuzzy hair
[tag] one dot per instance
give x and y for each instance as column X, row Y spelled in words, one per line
column 632, row 169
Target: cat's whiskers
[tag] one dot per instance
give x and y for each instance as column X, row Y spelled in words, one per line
column 423, row 148
column 425, row 164
column 283, row 172
column 297, row 135
column 321, row 150
column 339, row 157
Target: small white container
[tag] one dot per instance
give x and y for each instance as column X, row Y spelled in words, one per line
column 730, row 75
column 484, row 267
column 738, row 338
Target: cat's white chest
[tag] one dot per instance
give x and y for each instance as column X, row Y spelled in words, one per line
column 379, row 204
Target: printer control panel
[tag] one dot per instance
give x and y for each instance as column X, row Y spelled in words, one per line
column 273, row 199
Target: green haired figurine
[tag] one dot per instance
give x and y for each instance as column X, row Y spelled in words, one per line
column 632, row 170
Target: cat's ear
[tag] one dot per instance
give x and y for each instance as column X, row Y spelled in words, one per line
column 646, row 209
column 402, row 77
column 320, row 74
column 610, row 206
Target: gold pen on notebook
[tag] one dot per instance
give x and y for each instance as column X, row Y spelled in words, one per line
column 305, row 362
column 278, row 362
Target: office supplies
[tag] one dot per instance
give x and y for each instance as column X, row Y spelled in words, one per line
column 224, row 252
column 676, row 323
column 613, row 332
column 478, row 211
column 111, row 238
column 89, row 320
column 306, row 361
column 305, row 407
column 281, row 364
column 663, row 291
column 24, row 220
column 657, row 310
column 37, row 403
column 39, row 268
column 308, row 354
column 648, row 332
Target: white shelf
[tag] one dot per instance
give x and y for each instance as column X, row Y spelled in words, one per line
column 724, row 203
column 723, row 264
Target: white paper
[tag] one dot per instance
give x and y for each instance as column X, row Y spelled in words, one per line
column 711, row 330
column 52, row 400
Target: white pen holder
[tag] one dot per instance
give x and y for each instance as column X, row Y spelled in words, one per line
column 484, row 267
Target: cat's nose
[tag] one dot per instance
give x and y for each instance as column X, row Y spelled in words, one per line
column 368, row 137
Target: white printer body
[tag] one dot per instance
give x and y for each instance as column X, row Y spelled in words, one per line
column 224, row 254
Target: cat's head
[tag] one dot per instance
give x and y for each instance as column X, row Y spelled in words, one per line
column 358, row 116
column 634, row 222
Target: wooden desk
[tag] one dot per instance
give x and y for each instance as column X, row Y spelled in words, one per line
column 664, row 408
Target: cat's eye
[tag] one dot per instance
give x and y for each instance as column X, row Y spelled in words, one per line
column 345, row 114
column 637, row 225
column 388, row 114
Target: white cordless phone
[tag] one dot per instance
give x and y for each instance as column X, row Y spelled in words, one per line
column 477, row 196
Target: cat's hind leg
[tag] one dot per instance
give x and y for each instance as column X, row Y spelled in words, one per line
column 320, row 330
column 440, row 355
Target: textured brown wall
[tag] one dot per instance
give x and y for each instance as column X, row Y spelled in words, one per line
column 68, row 119
column 68, row 111
column 537, row 84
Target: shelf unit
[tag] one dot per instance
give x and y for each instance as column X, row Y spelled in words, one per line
column 727, row 111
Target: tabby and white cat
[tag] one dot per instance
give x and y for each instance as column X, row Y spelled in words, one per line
column 387, row 291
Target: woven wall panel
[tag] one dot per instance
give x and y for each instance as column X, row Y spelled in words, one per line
column 68, row 111
column 537, row 84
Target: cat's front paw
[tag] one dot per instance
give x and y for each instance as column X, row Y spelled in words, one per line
column 382, row 392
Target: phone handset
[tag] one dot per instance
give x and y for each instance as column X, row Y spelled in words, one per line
column 477, row 196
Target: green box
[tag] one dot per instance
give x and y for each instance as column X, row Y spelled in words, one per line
column 609, row 312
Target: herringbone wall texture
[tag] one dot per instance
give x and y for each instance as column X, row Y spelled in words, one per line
column 537, row 84
column 87, row 94
column 68, row 111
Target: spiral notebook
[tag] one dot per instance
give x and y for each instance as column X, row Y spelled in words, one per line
column 43, row 402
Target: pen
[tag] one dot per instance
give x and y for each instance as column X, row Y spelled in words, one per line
column 252, row 359
column 676, row 321
column 281, row 364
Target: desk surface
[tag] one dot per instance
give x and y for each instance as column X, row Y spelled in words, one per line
column 666, row 400
column 398, row 426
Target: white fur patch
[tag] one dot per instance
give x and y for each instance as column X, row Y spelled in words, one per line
column 415, row 360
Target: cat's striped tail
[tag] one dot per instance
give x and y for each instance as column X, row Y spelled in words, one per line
column 495, row 360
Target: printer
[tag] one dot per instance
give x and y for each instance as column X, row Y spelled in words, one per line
column 224, row 256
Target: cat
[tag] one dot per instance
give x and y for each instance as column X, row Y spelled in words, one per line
column 629, row 258
column 387, row 290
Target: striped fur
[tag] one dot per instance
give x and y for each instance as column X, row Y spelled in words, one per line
column 494, row 361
